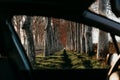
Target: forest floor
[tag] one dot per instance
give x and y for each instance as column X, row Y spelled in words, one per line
column 68, row 60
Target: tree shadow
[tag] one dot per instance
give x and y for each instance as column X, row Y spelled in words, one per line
column 67, row 61
column 87, row 64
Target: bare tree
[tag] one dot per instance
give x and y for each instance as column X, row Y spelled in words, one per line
column 56, row 34
column 52, row 36
column 47, row 37
column 30, row 43
column 78, row 37
column 72, row 35
column 88, row 40
column 83, row 49
column 38, row 24
column 68, row 40
column 17, row 23
column 103, row 42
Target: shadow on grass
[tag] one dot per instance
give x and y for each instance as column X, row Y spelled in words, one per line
column 67, row 61
column 87, row 64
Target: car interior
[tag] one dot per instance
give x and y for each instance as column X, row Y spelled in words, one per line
column 12, row 53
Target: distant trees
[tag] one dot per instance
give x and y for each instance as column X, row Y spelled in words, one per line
column 24, row 26
column 52, row 36
column 57, row 32
column 70, row 37
column 79, row 38
column 86, row 40
column 17, row 22
column 38, row 25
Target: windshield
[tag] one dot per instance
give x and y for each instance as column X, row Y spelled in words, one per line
column 52, row 43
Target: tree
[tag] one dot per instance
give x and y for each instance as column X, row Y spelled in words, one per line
column 38, row 25
column 63, row 31
column 30, row 43
column 78, row 37
column 88, row 40
column 72, row 36
column 17, row 23
column 103, row 42
column 83, row 49
column 57, row 34
column 52, row 36
column 68, row 36
column 47, row 37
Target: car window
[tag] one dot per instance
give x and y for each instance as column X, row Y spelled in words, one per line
column 52, row 43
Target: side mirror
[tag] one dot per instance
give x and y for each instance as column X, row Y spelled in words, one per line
column 115, row 5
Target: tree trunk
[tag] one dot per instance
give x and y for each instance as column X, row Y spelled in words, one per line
column 48, row 38
column 103, row 45
column 36, row 37
column 103, row 36
column 56, row 35
column 83, row 49
column 68, row 38
column 78, row 37
column 88, row 40
column 75, row 39
column 55, row 38
column 72, row 36
column 30, row 43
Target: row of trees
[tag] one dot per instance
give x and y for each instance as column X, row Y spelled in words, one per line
column 38, row 33
column 51, row 35
column 79, row 38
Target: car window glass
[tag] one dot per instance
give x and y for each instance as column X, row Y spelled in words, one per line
column 52, row 43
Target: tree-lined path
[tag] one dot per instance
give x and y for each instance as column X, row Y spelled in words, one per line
column 68, row 60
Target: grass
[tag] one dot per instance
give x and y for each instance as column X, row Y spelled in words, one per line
column 68, row 60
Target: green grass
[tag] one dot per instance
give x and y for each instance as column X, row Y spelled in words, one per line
column 68, row 60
